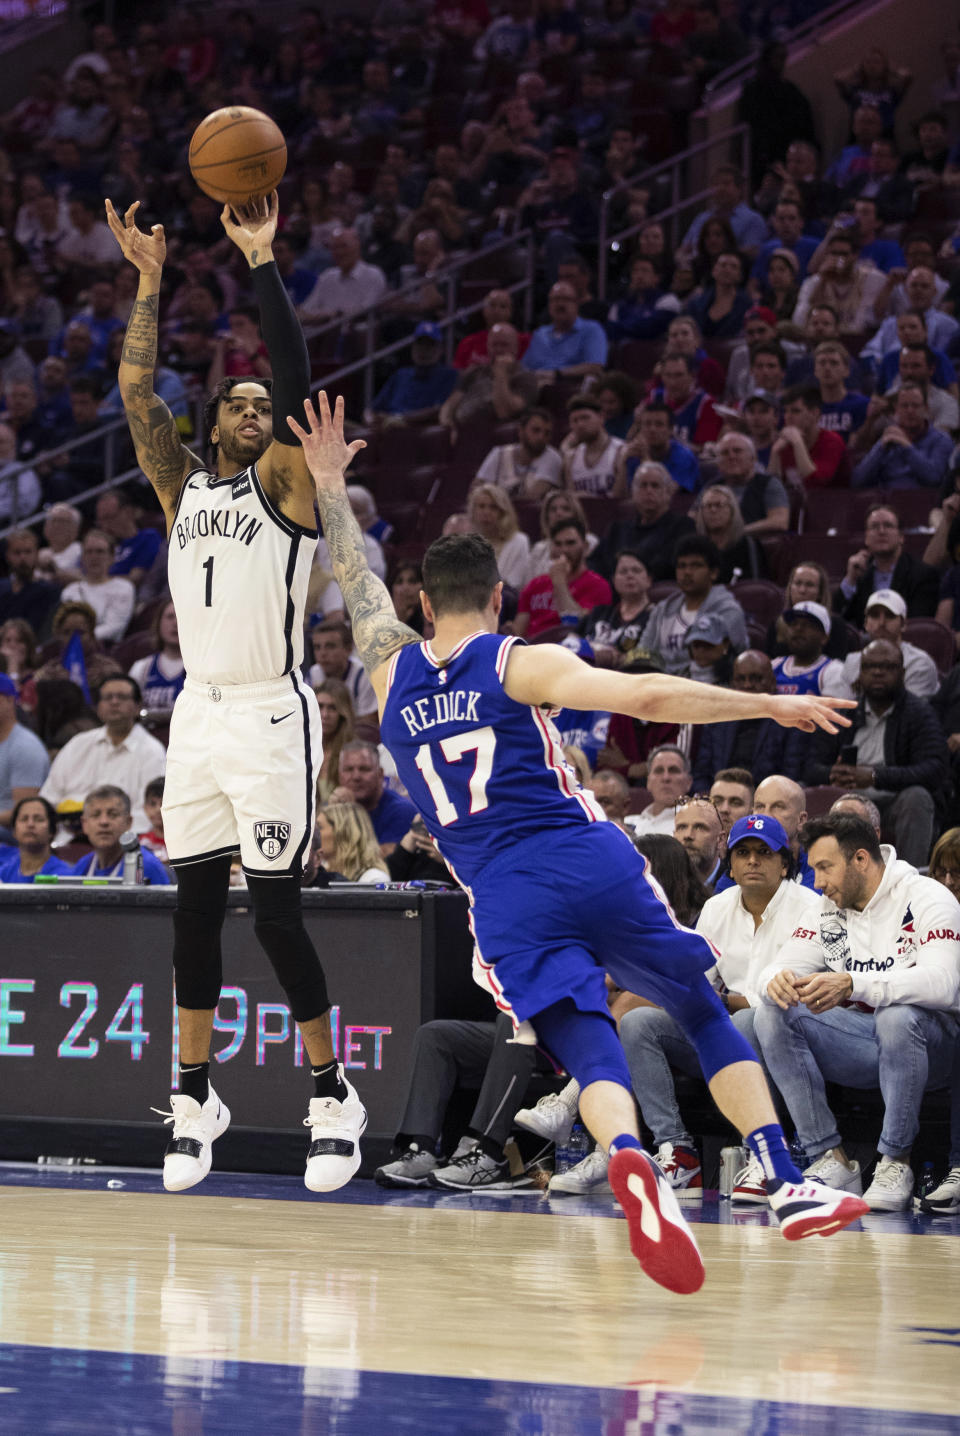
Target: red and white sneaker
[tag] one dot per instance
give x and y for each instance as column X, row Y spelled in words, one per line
column 750, row 1185
column 660, row 1239
column 681, row 1167
column 811, row 1209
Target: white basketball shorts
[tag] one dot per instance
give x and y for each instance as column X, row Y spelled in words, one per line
column 241, row 775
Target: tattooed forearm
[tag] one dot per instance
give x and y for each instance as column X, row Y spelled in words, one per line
column 140, row 343
column 377, row 632
column 160, row 453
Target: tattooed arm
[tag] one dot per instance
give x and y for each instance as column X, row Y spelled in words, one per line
column 160, row 452
column 377, row 632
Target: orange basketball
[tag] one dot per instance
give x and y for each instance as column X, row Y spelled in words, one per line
column 237, row 154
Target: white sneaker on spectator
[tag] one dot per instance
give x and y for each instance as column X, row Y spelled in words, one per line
column 411, row 1169
column 588, row 1176
column 750, row 1184
column 681, row 1167
column 335, row 1131
column 553, row 1116
column 944, row 1199
column 189, row 1152
column 892, row 1187
column 832, row 1171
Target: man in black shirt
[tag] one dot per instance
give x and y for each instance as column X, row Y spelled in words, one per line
column 22, row 595
column 653, row 533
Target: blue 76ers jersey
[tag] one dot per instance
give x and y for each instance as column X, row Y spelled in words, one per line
column 484, row 771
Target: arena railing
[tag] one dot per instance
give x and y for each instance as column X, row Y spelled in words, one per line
column 733, row 144
column 808, row 31
column 365, row 323
column 104, row 432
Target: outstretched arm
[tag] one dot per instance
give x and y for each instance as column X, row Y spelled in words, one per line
column 377, row 632
column 550, row 674
column 282, row 468
column 160, row 451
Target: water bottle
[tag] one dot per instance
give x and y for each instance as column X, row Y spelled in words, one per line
column 574, row 1149
column 798, row 1156
column 132, row 858
column 927, row 1180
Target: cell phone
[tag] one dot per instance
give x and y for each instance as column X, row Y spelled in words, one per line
column 848, row 754
column 419, row 827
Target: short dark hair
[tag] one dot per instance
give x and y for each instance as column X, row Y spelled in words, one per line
column 154, row 789
column 84, row 384
column 769, row 346
column 583, row 401
column 223, row 391
column 674, row 356
column 135, row 692
column 923, row 349
column 460, row 573
column 47, row 807
column 806, row 394
column 573, row 522
column 337, row 626
column 932, row 117
column 852, row 834
column 536, row 411
column 697, row 546
column 658, row 406
column 743, row 776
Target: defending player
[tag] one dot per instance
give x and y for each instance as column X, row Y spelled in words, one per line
column 466, row 719
column 245, row 745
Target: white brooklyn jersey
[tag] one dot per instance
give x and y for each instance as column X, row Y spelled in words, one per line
column 238, row 570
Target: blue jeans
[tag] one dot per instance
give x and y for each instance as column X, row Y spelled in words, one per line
column 656, row 1047
column 903, row 1050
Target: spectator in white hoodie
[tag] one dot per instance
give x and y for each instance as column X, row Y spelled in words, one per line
column 864, row 993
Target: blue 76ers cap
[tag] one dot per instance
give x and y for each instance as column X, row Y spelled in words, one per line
column 759, row 825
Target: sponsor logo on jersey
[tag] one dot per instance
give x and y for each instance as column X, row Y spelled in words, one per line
column 271, row 838
column 241, row 486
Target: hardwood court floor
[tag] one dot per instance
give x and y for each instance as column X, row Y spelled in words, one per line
column 252, row 1306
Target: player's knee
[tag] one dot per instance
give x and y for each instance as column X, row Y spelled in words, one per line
column 278, row 924
column 584, row 1043
column 704, row 1019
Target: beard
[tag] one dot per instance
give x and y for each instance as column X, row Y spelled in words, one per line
column 242, row 450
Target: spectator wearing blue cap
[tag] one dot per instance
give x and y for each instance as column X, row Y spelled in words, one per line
column 23, row 758
column 416, row 391
column 747, row 925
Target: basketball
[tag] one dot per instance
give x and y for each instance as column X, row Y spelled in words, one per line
column 237, row 154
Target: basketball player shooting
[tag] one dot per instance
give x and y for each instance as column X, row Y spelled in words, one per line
column 245, row 743
column 558, row 895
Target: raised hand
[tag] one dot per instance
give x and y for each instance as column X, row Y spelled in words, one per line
column 146, row 251
column 252, row 227
column 810, row 712
column 325, row 449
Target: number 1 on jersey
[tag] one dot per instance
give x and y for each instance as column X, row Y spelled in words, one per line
column 208, row 590
column 483, row 742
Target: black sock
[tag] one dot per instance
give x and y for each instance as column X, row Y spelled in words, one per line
column 194, row 1080
column 327, row 1081
column 488, row 1145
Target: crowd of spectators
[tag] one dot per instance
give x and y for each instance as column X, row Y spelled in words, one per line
column 728, row 452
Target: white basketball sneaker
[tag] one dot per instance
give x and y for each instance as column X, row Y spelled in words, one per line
column 335, row 1132
column 553, row 1116
column 189, row 1151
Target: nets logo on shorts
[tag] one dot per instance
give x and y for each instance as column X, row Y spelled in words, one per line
column 271, row 838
